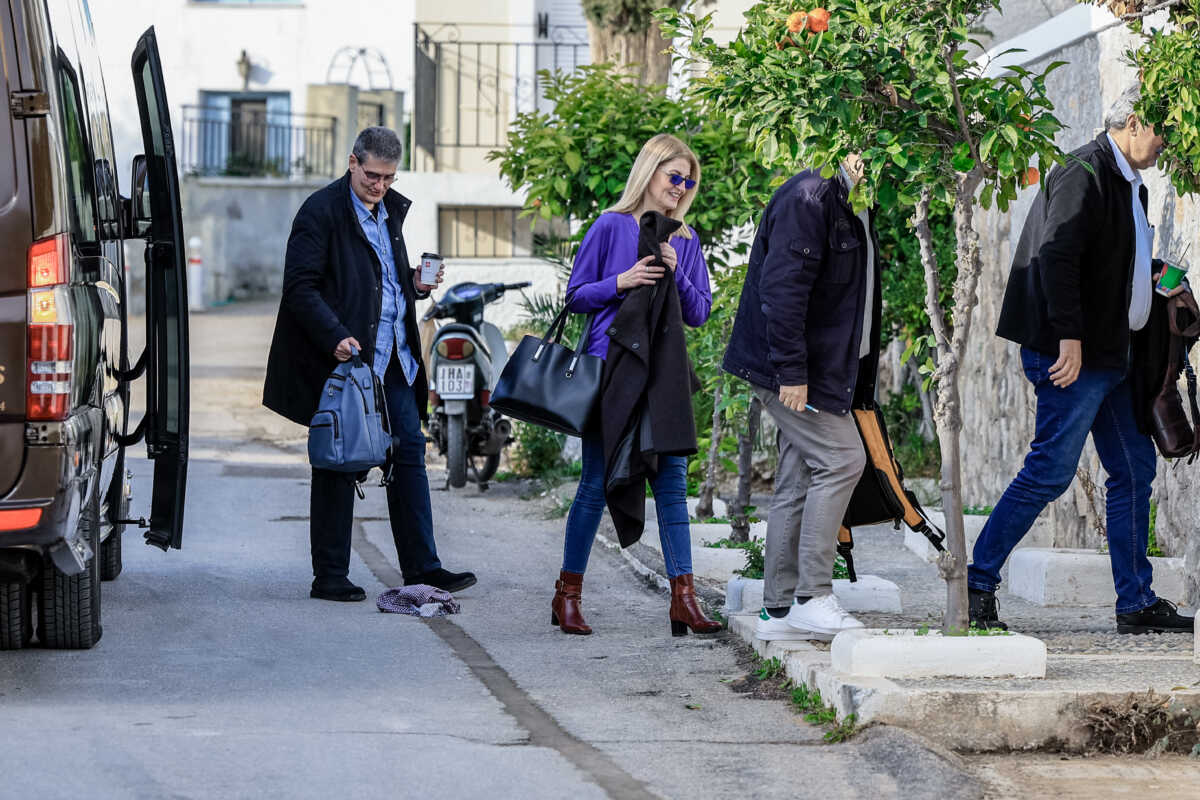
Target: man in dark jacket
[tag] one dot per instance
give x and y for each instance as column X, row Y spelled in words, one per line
column 347, row 284
column 806, row 337
column 1080, row 284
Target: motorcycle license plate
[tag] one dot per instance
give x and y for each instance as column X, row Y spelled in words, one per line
column 456, row 382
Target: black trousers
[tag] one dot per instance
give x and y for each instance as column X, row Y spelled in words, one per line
column 331, row 506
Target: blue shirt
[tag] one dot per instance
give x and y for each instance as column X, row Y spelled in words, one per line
column 391, row 335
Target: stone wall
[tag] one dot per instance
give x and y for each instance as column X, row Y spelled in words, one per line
column 998, row 402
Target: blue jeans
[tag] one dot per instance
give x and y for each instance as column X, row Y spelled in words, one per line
column 670, row 501
column 1100, row 402
column 332, row 503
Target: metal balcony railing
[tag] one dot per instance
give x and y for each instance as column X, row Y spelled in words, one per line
column 233, row 141
column 467, row 92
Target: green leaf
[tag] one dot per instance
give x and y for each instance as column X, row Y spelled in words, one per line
column 985, row 145
column 1010, row 134
column 887, row 194
column 573, row 160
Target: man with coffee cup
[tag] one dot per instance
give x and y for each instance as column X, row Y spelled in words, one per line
column 1081, row 284
column 347, row 283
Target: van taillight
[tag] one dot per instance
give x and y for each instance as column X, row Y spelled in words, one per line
column 51, row 333
column 48, row 261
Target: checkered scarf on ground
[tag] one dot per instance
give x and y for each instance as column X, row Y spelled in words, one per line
column 418, row 601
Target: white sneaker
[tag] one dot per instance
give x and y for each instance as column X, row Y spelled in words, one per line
column 822, row 614
column 770, row 629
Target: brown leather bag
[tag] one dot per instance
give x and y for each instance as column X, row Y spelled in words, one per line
column 1174, row 435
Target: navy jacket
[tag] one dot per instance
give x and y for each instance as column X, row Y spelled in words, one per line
column 1072, row 274
column 332, row 289
column 799, row 320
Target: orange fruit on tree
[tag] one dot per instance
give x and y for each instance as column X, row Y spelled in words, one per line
column 1030, row 176
column 796, row 21
column 818, row 20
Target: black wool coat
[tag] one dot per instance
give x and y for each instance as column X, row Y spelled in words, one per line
column 645, row 397
column 332, row 289
column 1072, row 274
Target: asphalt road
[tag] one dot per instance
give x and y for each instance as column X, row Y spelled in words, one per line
column 217, row 676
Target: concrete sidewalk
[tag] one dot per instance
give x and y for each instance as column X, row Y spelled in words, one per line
column 1087, row 662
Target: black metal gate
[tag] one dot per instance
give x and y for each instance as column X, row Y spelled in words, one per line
column 467, row 92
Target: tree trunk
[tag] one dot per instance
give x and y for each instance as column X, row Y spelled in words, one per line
column 951, row 348
column 926, row 429
column 647, row 49
column 738, row 517
column 704, row 508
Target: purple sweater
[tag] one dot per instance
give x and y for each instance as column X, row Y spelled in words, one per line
column 610, row 248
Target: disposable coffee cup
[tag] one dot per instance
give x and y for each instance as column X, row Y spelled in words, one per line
column 1169, row 279
column 431, row 265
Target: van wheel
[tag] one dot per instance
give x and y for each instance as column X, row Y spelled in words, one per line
column 16, row 615
column 110, row 556
column 110, row 550
column 69, row 611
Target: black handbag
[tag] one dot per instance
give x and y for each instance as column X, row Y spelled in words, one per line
column 548, row 384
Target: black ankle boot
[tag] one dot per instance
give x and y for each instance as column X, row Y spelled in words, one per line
column 338, row 589
column 982, row 610
column 1158, row 618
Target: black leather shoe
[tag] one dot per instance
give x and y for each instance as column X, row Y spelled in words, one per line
column 1158, row 618
column 444, row 580
column 983, row 611
column 339, row 589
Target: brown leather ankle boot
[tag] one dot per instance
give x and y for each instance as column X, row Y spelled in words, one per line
column 685, row 611
column 565, row 611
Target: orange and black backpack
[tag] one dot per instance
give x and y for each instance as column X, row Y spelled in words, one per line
column 880, row 495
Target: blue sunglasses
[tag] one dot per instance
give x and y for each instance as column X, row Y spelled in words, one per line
column 677, row 179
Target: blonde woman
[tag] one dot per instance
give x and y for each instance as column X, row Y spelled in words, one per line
column 664, row 178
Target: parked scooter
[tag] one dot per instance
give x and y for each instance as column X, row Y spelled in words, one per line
column 466, row 359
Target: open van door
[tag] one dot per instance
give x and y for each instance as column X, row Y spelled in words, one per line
column 156, row 217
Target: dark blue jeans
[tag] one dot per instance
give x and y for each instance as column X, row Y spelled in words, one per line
column 1100, row 402
column 332, row 504
column 670, row 501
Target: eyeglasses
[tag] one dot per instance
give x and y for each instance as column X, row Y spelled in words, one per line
column 677, row 179
column 376, row 177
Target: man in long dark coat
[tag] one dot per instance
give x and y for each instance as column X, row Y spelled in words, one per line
column 1081, row 285
column 347, row 283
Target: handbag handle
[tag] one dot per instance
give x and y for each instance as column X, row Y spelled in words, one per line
column 555, row 331
column 355, row 356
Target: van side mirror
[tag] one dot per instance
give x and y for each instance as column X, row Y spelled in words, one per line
column 139, row 206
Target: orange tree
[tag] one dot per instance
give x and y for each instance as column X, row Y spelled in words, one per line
column 1168, row 60
column 890, row 79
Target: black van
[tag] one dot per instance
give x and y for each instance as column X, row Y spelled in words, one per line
column 65, row 370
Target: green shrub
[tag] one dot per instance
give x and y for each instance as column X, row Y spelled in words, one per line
column 537, row 451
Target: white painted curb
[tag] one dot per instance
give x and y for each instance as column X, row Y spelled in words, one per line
column 876, row 653
column 869, row 593
column 1068, row 577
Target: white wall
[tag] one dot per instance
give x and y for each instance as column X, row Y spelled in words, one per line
column 243, row 225
column 291, row 46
